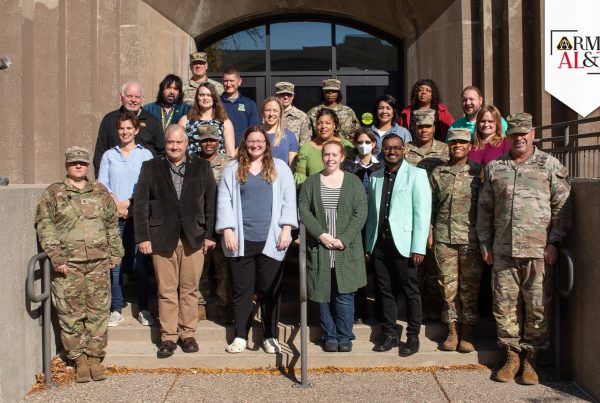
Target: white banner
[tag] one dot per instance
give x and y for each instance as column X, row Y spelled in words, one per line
column 572, row 52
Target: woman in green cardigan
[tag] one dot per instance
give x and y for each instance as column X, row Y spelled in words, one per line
column 333, row 207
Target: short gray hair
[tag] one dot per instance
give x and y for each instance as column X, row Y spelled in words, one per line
column 127, row 83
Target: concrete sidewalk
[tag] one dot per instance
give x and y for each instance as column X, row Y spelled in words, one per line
column 439, row 385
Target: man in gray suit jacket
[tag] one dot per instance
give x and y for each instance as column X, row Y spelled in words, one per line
column 174, row 216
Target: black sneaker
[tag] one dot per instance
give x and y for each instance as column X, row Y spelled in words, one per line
column 166, row 349
column 331, row 346
column 189, row 345
column 386, row 344
column 410, row 347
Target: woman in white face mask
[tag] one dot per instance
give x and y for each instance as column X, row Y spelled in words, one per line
column 363, row 165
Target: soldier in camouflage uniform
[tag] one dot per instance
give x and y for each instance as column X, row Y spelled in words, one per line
column 427, row 153
column 293, row 118
column 198, row 66
column 523, row 215
column 331, row 99
column 209, row 141
column 77, row 226
column 455, row 188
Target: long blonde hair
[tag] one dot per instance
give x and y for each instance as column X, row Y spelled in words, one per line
column 279, row 125
column 268, row 171
column 496, row 137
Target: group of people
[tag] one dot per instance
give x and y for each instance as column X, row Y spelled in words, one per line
column 197, row 179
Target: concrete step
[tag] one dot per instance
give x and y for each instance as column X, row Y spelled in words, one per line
column 213, row 355
column 133, row 345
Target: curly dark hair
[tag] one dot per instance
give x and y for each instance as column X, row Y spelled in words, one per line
column 333, row 115
column 436, row 99
column 166, row 82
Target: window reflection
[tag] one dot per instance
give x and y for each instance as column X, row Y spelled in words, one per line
column 246, row 50
column 300, row 46
column 358, row 50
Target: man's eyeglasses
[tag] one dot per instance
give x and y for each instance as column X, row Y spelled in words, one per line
column 392, row 148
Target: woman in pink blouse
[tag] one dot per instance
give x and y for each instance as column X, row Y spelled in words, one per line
column 488, row 142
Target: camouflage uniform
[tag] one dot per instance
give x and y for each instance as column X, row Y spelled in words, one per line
column 190, row 87
column 216, row 255
column 454, row 196
column 79, row 227
column 297, row 122
column 428, row 160
column 348, row 122
column 523, row 208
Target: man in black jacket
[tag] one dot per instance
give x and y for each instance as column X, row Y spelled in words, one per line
column 174, row 217
column 150, row 136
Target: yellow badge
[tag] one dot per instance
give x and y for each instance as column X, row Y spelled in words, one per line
column 367, row 118
column 242, row 108
column 142, row 124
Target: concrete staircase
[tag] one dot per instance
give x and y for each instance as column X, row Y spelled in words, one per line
column 133, row 345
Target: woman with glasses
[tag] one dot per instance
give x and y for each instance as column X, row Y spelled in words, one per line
column 255, row 239
column 333, row 207
column 208, row 110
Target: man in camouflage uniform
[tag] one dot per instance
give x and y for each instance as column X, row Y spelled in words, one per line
column 332, row 97
column 198, row 66
column 455, row 188
column 77, row 226
column 523, row 215
column 293, row 118
column 209, row 142
column 427, row 153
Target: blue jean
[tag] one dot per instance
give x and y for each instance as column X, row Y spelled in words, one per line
column 133, row 260
column 337, row 316
column 117, row 301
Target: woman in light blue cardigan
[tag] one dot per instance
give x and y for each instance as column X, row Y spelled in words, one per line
column 256, row 212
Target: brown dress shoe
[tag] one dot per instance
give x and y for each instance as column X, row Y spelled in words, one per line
column 166, row 349
column 189, row 345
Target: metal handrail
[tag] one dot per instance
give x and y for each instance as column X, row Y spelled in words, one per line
column 568, row 123
column 44, row 298
column 564, row 292
column 303, row 310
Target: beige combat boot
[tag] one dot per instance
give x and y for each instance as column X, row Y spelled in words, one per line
column 510, row 368
column 201, row 312
column 529, row 376
column 452, row 340
column 466, row 339
column 82, row 369
column 96, row 369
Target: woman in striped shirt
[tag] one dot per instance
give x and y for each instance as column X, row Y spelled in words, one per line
column 333, row 207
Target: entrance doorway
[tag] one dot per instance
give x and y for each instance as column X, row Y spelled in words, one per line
column 305, row 53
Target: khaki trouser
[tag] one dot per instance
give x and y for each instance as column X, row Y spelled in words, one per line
column 178, row 270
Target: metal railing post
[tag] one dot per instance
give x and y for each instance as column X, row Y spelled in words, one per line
column 44, row 298
column 566, row 145
column 561, row 292
column 303, row 311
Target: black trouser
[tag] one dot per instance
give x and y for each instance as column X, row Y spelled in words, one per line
column 247, row 273
column 392, row 271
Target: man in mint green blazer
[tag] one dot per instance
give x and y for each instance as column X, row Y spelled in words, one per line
column 396, row 237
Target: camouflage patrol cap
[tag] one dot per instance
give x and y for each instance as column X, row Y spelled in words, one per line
column 424, row 117
column 332, row 84
column 198, row 57
column 459, row 134
column 283, row 87
column 519, row 123
column 209, row 132
column 77, row 154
